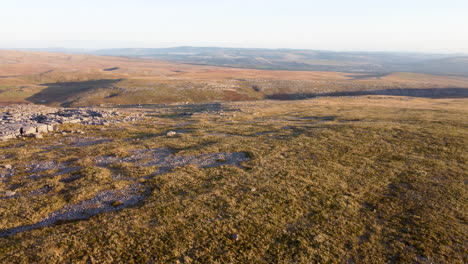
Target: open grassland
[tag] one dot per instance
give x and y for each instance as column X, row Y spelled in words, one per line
column 330, row 180
column 79, row 80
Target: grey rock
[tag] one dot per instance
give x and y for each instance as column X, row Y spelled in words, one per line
column 171, row 133
column 26, row 120
column 10, row 193
column 7, row 137
column 42, row 128
column 28, row 130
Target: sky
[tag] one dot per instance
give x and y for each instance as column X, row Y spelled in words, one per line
column 341, row 25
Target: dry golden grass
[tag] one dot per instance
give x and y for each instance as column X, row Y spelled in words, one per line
column 330, row 180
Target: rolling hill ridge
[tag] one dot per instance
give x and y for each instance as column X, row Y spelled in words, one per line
column 80, row 80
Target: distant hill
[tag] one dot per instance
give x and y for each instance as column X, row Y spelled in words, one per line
column 305, row 60
column 81, row 80
column 59, row 50
column 453, row 65
column 293, row 59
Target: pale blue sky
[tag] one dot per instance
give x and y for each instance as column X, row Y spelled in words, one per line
column 396, row 25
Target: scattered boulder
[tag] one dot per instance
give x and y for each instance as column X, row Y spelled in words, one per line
column 42, row 128
column 30, row 119
column 7, row 166
column 171, row 133
column 26, row 130
column 9, row 193
column 74, row 121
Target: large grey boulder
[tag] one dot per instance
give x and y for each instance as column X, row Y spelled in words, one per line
column 26, row 130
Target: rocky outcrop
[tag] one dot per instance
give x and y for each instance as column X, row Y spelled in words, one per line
column 33, row 120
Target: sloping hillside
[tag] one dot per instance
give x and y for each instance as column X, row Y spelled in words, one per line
column 79, row 80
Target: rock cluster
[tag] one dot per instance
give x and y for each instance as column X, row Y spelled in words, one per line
column 33, row 120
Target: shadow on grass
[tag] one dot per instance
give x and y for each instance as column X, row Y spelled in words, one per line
column 434, row 93
column 63, row 92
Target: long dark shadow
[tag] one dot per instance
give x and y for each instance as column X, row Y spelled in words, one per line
column 434, row 93
column 63, row 91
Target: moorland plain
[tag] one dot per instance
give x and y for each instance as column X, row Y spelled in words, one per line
column 367, row 179
column 202, row 166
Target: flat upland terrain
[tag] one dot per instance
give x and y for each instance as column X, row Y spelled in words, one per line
column 362, row 179
column 83, row 80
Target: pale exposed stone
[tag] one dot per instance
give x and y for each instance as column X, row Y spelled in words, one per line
column 28, row 130
column 27, row 120
column 9, row 193
column 42, row 128
column 171, row 133
column 7, row 137
column 74, row 121
column 7, row 166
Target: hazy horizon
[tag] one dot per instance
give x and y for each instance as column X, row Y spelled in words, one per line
column 177, row 45
column 396, row 26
